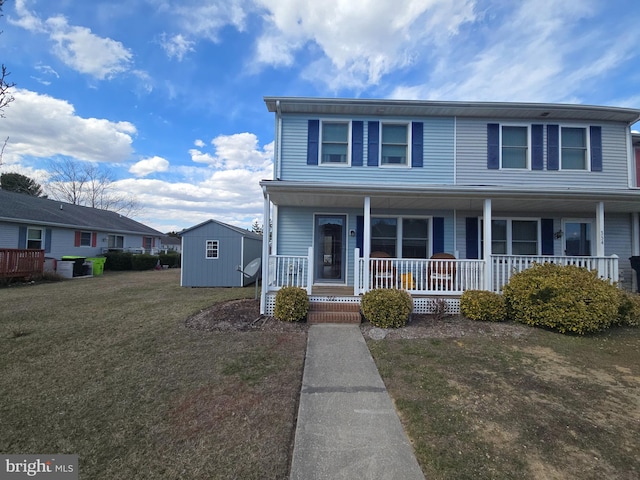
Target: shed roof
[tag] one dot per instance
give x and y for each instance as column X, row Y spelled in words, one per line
column 241, row 231
column 23, row 208
column 421, row 108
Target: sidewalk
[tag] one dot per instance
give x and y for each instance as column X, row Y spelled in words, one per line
column 347, row 426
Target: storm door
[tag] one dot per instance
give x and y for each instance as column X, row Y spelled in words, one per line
column 330, row 252
column 577, row 237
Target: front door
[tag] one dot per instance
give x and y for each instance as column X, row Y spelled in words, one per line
column 577, row 238
column 330, row 248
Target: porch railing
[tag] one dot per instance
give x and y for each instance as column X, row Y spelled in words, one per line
column 288, row 271
column 505, row 266
column 16, row 263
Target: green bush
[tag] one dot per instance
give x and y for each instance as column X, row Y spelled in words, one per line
column 171, row 259
column 563, row 298
column 118, row 261
column 144, row 262
column 628, row 309
column 484, row 306
column 292, row 304
column 387, row 308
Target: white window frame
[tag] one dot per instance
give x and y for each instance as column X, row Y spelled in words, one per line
column 409, row 142
column 528, row 156
column 84, row 232
column 509, row 240
column 399, row 231
column 320, row 143
column 209, row 246
column 587, row 139
column 115, row 242
column 41, row 230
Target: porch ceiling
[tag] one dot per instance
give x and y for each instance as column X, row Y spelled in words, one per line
column 447, row 197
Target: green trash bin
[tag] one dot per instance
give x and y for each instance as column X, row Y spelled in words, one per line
column 98, row 264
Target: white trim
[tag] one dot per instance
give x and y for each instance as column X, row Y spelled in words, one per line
column 527, row 167
column 349, row 143
column 206, row 249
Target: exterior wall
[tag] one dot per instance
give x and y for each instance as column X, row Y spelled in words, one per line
column 199, row 271
column 438, row 156
column 8, row 235
column 618, row 241
column 471, row 159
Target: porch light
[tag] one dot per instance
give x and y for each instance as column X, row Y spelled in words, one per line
column 558, row 234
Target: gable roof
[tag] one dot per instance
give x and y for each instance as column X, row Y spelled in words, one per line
column 421, row 108
column 23, row 208
column 241, row 231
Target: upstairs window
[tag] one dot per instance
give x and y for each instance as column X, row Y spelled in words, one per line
column 573, row 154
column 212, row 249
column 335, row 143
column 515, row 147
column 395, row 144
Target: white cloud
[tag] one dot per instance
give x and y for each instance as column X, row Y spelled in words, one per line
column 42, row 126
column 77, row 47
column 199, row 143
column 177, row 46
column 149, row 165
column 362, row 41
column 238, row 151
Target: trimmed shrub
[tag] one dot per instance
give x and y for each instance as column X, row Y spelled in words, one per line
column 171, row 259
column 387, row 307
column 292, row 304
column 563, row 298
column 628, row 309
column 144, row 262
column 484, row 306
column 118, row 261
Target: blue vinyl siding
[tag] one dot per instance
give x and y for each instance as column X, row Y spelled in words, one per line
column 471, row 163
column 437, row 156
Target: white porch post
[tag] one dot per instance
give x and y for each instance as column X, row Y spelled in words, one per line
column 265, row 252
column 366, row 241
column 486, row 236
column 600, row 229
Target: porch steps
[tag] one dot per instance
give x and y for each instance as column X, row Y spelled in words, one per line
column 333, row 312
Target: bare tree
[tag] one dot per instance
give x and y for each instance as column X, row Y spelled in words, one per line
column 5, row 87
column 90, row 185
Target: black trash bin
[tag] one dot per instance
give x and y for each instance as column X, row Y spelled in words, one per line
column 635, row 264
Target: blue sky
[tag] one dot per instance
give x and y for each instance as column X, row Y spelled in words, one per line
column 168, row 93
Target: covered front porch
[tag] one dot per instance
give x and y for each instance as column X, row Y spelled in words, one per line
column 330, row 269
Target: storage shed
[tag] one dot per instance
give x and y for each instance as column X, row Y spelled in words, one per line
column 212, row 252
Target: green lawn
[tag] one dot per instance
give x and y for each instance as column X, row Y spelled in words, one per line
column 104, row 368
column 541, row 406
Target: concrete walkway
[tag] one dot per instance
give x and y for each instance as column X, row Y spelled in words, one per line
column 347, row 426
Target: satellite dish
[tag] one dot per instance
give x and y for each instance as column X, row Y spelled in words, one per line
column 252, row 268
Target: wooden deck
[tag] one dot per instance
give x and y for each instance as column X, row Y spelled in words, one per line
column 19, row 263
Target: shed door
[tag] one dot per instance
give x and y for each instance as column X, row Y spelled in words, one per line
column 330, row 248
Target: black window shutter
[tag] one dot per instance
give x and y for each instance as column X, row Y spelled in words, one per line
column 373, row 144
column 537, row 147
column 417, row 132
column 47, row 240
column 438, row 235
column 472, row 237
column 493, row 146
column 596, row 148
column 356, row 143
column 360, row 234
column 22, row 237
column 546, row 227
column 553, row 147
column 312, row 142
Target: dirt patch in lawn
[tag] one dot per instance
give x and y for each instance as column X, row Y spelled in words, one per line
column 239, row 316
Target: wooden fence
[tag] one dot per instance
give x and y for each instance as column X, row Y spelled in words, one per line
column 16, row 263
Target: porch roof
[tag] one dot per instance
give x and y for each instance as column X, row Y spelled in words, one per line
column 422, row 108
column 538, row 199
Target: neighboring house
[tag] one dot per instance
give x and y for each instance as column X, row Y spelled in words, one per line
column 365, row 192
column 213, row 252
column 171, row 244
column 62, row 229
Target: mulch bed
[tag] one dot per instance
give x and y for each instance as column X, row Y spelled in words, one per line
column 244, row 316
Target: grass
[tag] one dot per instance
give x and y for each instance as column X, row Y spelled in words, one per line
column 104, row 368
column 544, row 405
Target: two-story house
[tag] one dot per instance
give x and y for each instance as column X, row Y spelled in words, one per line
column 366, row 193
